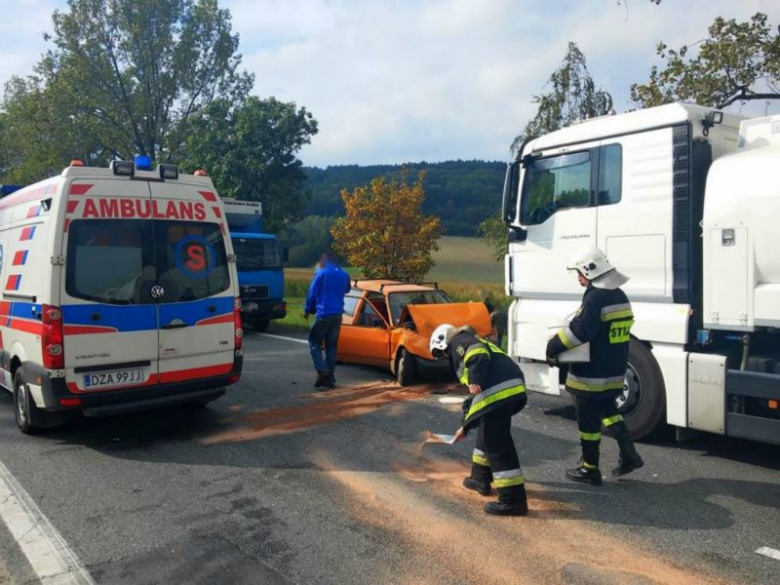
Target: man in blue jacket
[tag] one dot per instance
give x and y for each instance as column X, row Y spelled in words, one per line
column 326, row 301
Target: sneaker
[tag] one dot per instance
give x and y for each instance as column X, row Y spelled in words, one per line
column 628, row 464
column 584, row 475
column 482, row 488
column 506, row 509
column 322, row 379
column 330, row 381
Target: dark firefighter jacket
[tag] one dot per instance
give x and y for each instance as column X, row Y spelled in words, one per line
column 478, row 361
column 604, row 320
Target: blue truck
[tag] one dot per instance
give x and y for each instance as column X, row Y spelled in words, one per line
column 260, row 263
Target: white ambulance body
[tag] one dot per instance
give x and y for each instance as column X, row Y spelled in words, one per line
column 119, row 293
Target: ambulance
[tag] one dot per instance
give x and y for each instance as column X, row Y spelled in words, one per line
column 119, row 293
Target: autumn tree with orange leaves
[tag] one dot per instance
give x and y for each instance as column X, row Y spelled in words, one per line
column 385, row 232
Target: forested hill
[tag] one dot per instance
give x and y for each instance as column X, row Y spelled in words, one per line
column 463, row 193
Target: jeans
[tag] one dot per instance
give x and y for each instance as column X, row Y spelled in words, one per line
column 325, row 330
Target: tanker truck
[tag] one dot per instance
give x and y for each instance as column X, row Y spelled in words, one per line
column 685, row 200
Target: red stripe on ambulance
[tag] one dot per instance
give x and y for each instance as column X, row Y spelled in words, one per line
column 227, row 318
column 20, row 258
column 207, row 372
column 208, row 196
column 80, row 189
column 27, row 234
column 13, row 282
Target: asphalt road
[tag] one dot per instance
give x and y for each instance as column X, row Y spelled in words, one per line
column 276, row 483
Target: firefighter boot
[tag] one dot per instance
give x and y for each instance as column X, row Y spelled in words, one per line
column 583, row 474
column 481, row 487
column 629, row 459
column 512, row 501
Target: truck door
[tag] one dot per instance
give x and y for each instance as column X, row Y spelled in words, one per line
column 109, row 314
column 196, row 290
column 557, row 208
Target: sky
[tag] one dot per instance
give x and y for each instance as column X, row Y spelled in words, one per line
column 428, row 80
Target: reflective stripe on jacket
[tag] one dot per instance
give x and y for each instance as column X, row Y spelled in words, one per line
column 479, row 361
column 604, row 320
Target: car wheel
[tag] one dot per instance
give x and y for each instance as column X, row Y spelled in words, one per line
column 406, row 368
column 643, row 400
column 261, row 324
column 23, row 404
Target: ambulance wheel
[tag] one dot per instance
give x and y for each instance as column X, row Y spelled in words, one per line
column 643, row 400
column 23, row 404
column 405, row 368
column 261, row 324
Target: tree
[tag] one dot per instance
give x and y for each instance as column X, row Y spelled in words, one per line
column 573, row 96
column 494, row 232
column 739, row 60
column 385, row 232
column 251, row 153
column 130, row 74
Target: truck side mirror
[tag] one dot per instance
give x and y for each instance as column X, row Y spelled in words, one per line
column 511, row 185
column 285, row 254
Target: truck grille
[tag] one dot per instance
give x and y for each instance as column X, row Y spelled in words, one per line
column 254, row 292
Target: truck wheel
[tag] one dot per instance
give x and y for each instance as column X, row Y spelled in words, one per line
column 23, row 404
column 643, row 401
column 405, row 368
column 261, row 324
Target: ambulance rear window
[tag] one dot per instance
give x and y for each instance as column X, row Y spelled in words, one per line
column 119, row 261
column 109, row 259
column 193, row 263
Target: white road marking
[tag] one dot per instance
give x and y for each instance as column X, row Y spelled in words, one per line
column 295, row 339
column 769, row 552
column 47, row 552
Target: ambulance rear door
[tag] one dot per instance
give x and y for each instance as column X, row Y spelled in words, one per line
column 110, row 320
column 197, row 283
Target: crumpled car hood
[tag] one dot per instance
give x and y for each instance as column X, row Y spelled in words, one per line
column 428, row 317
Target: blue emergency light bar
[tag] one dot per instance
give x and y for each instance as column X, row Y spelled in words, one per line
column 143, row 162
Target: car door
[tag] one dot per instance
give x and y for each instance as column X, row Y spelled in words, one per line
column 196, row 295
column 557, row 209
column 109, row 316
column 365, row 337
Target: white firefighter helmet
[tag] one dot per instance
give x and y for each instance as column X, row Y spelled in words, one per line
column 593, row 264
column 441, row 337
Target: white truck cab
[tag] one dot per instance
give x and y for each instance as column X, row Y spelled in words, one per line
column 119, row 293
column 684, row 200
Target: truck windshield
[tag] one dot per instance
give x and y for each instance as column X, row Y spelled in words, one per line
column 256, row 254
column 424, row 297
column 553, row 183
column 119, row 261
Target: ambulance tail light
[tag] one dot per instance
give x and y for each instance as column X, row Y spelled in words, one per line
column 200, row 173
column 238, row 328
column 77, row 163
column 52, row 338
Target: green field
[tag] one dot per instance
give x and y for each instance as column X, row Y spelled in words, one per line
column 465, row 260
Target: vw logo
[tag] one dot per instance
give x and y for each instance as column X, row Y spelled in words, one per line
column 157, row 291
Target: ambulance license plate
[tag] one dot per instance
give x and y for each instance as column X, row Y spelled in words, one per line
column 112, row 379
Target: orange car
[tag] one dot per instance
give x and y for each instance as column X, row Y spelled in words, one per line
column 388, row 324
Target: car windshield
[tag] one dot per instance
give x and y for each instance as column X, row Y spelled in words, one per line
column 399, row 300
column 256, row 254
column 118, row 261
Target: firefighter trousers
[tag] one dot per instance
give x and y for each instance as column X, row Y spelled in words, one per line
column 592, row 412
column 495, row 458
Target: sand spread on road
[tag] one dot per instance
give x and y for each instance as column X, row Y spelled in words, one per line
column 317, row 409
column 426, row 507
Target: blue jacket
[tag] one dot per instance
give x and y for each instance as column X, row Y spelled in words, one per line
column 327, row 290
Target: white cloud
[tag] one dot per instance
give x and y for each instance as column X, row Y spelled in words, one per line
column 405, row 80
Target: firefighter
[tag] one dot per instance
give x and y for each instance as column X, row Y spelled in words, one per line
column 497, row 391
column 604, row 320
